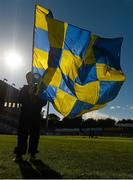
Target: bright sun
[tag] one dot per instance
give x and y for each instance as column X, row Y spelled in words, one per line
column 13, row 60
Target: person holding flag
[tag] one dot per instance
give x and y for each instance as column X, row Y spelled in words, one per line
column 29, row 121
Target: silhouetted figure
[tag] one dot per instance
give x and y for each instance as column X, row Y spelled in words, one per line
column 29, row 121
column 91, row 133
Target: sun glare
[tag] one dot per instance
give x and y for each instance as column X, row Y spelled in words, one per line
column 13, row 60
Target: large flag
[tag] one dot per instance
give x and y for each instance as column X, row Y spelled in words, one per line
column 80, row 71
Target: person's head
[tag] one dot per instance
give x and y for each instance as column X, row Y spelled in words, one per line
column 29, row 77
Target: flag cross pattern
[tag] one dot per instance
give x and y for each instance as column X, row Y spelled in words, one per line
column 80, row 71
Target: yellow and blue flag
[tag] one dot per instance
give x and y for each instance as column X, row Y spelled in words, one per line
column 80, row 71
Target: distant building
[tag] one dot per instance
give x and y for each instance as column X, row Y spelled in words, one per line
column 125, row 125
column 9, row 105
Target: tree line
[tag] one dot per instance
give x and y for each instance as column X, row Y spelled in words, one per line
column 55, row 122
column 9, row 125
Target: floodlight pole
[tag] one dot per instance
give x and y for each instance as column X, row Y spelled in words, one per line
column 48, row 103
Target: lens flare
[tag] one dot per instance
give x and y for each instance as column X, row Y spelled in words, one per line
column 13, row 60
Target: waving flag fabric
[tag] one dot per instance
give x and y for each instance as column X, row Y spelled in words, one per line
column 80, row 71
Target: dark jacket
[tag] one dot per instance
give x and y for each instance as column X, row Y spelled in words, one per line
column 31, row 105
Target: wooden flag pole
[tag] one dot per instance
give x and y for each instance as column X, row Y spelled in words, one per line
column 48, row 104
column 33, row 36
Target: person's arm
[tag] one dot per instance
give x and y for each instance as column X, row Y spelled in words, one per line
column 22, row 95
column 44, row 102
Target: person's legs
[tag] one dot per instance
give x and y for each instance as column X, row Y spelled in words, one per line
column 21, row 143
column 33, row 141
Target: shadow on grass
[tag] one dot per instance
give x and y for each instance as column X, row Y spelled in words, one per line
column 37, row 170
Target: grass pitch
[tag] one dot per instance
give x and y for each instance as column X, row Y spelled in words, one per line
column 70, row 157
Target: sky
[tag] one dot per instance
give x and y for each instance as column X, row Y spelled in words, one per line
column 106, row 18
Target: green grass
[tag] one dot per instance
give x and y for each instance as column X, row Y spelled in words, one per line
column 70, row 157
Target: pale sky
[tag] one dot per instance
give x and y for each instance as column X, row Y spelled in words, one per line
column 106, row 18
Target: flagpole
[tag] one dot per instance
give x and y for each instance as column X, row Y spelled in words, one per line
column 33, row 35
column 48, row 104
